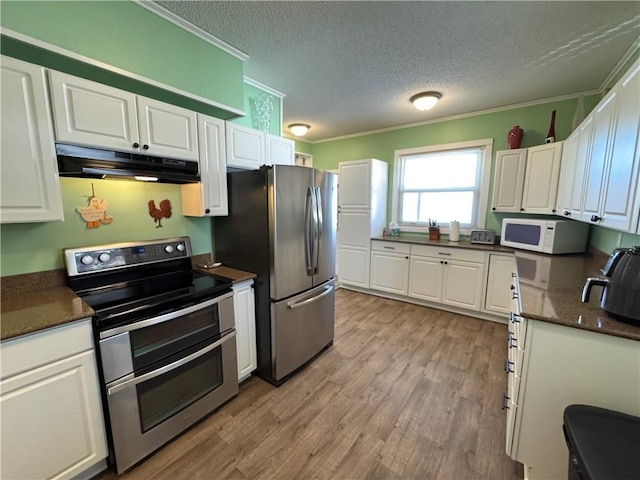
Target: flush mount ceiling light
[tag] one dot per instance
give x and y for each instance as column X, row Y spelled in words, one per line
column 299, row 129
column 425, row 100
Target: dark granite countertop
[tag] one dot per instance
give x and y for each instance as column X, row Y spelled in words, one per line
column 232, row 274
column 444, row 242
column 551, row 289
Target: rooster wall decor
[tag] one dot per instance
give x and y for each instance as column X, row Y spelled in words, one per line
column 159, row 213
column 95, row 213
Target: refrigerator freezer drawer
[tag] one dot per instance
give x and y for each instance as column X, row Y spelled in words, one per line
column 301, row 327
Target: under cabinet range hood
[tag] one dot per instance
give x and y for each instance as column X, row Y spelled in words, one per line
column 87, row 162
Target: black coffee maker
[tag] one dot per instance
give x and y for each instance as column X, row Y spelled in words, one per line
column 621, row 285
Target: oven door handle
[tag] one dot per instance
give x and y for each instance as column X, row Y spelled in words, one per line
column 163, row 318
column 293, row 305
column 167, row 368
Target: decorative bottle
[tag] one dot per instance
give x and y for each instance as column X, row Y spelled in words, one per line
column 514, row 137
column 551, row 135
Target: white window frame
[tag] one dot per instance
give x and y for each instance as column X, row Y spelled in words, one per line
column 485, row 144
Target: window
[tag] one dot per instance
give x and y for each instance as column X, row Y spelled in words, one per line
column 442, row 183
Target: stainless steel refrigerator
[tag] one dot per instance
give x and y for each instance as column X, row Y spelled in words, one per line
column 282, row 226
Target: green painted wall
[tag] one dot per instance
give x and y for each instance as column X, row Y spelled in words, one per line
column 253, row 99
column 33, row 247
column 302, row 147
column 125, row 35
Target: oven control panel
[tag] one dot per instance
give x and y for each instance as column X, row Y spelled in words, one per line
column 120, row 255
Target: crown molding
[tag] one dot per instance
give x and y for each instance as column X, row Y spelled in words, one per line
column 262, row 86
column 191, row 28
column 633, row 50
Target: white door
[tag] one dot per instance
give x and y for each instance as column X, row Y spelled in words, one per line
column 89, row 113
column 245, row 315
column 565, row 183
column 355, row 185
column 541, row 178
column 585, row 138
column 167, row 130
column 499, row 282
column 598, row 160
column 280, row 151
column 389, row 272
column 462, row 284
column 425, row 278
column 245, row 147
column 619, row 210
column 509, row 180
column 355, row 227
column 30, row 189
column 354, row 266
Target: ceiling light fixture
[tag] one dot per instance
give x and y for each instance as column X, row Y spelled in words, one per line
column 299, row 129
column 425, row 100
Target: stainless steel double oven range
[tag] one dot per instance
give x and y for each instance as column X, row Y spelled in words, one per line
column 165, row 338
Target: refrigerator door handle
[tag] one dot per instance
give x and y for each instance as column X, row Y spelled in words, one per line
column 309, row 220
column 293, row 305
column 319, row 226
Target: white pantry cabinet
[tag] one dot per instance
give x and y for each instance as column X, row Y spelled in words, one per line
column 30, row 189
column 97, row 115
column 249, row 149
column 526, row 180
column 52, row 422
column 362, row 212
column 500, row 283
column 245, row 316
column 452, row 276
column 208, row 198
column 390, row 266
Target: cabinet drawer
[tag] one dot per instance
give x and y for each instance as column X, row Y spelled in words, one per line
column 449, row 253
column 390, row 247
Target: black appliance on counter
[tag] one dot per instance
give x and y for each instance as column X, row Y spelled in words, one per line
column 165, row 340
column 621, row 285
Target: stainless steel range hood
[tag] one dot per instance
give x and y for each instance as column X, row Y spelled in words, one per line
column 75, row 161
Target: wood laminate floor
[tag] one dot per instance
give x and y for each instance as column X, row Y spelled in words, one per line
column 404, row 392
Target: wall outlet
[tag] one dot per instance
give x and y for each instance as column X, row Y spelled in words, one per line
column 619, row 240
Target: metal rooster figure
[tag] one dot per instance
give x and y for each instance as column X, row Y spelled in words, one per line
column 159, row 213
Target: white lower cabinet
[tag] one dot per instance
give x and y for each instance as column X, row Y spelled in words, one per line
column 52, row 422
column 500, row 278
column 245, row 316
column 390, row 267
column 451, row 276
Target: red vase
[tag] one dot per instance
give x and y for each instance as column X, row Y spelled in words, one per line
column 514, row 137
column 551, row 135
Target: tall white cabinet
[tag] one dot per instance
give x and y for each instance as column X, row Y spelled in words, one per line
column 30, row 190
column 362, row 214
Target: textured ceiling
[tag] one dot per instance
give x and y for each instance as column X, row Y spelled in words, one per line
column 349, row 67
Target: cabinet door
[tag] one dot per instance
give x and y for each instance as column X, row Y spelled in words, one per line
column 52, row 424
column 567, row 169
column 30, row 189
column 585, row 138
column 167, row 130
column 499, row 282
column 620, row 198
column 462, row 284
column 209, row 197
column 508, row 182
column 355, row 228
column 599, row 159
column 389, row 272
column 354, row 267
column 355, row 185
column 541, row 178
column 245, row 316
column 425, row 278
column 89, row 113
column 280, row 151
column 245, row 147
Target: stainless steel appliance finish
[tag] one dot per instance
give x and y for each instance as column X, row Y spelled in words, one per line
column 281, row 226
column 621, row 285
column 165, row 337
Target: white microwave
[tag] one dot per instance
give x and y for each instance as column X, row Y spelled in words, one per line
column 546, row 236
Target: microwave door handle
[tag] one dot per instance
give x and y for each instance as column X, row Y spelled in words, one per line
column 167, row 368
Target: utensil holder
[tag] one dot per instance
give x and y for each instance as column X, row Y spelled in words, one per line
column 434, row 233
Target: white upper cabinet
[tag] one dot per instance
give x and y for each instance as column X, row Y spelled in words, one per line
column 355, row 185
column 567, row 172
column 245, row 147
column 526, row 179
column 89, row 113
column 280, row 151
column 30, row 189
column 209, row 197
column 583, row 150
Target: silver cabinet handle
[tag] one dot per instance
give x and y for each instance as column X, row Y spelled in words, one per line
column 163, row 318
column 443, row 253
column 167, row 368
column 294, row 305
column 390, row 248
